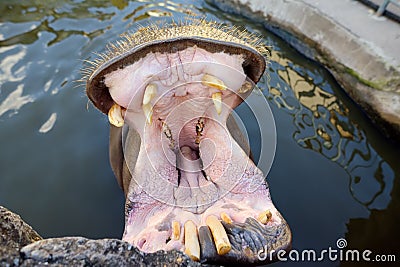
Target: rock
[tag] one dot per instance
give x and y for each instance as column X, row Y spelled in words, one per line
column 80, row 251
column 9, row 256
column 20, row 245
column 15, row 233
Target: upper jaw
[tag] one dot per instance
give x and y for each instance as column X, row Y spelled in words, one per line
column 170, row 79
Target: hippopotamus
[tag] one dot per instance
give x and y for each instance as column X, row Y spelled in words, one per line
column 185, row 168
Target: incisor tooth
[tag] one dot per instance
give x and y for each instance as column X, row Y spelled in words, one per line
column 176, row 230
column 192, row 246
column 217, row 99
column 225, row 217
column 148, row 112
column 115, row 115
column 265, row 216
column 220, row 237
column 149, row 93
column 212, row 81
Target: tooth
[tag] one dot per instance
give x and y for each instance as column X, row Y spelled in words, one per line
column 265, row 216
column 220, row 237
column 149, row 93
column 245, row 87
column 199, row 130
column 115, row 115
column 176, row 230
column 213, row 81
column 217, row 99
column 167, row 131
column 192, row 246
column 148, row 112
column 225, row 217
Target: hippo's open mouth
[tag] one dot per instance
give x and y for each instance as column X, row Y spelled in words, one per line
column 179, row 156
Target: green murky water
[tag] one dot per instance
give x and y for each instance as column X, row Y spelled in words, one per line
column 334, row 175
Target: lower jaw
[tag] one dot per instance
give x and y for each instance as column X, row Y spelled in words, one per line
column 251, row 242
column 150, row 225
column 160, row 222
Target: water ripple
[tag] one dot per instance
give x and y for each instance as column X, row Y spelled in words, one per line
column 48, row 125
column 15, row 100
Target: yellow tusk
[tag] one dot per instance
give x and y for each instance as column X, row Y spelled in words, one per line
column 192, row 246
column 149, row 93
column 245, row 87
column 115, row 115
column 212, row 81
column 176, row 230
column 217, row 99
column 265, row 216
column 220, row 237
column 148, row 112
column 225, row 217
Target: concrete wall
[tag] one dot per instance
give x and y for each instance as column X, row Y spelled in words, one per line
column 348, row 40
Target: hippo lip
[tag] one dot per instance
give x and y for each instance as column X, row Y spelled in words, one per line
column 177, row 197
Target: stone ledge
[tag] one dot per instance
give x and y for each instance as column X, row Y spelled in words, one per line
column 366, row 74
column 20, row 245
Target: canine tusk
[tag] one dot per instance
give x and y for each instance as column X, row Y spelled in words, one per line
column 192, row 246
column 245, row 87
column 176, row 230
column 217, row 99
column 265, row 216
column 148, row 112
column 212, row 81
column 149, row 93
column 115, row 115
column 220, row 237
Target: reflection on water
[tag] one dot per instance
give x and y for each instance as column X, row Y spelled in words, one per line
column 48, row 125
column 322, row 124
column 14, row 101
column 54, row 167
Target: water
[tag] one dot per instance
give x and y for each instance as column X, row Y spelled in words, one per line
column 334, row 175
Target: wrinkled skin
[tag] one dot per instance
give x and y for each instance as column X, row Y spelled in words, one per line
column 171, row 173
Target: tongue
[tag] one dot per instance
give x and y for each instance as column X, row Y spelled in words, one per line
column 189, row 165
column 194, row 192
